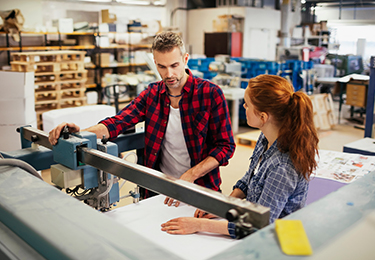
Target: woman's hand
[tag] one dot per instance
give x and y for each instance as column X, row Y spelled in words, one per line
column 182, row 226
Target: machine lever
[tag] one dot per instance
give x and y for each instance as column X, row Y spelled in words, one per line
column 65, row 132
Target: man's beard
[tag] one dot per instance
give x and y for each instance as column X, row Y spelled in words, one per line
column 176, row 83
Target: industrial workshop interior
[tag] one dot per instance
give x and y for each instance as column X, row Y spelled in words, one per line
column 137, row 129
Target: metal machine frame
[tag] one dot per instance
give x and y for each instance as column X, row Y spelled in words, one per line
column 81, row 152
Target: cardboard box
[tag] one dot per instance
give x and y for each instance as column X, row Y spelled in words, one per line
column 10, row 139
column 16, row 85
column 107, row 17
column 105, row 59
column 64, row 25
column 227, row 23
column 17, row 111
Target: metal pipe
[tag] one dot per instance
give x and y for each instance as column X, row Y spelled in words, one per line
column 36, row 136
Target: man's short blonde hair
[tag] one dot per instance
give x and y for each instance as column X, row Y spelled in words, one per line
column 166, row 41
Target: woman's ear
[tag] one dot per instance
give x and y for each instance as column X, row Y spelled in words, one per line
column 264, row 117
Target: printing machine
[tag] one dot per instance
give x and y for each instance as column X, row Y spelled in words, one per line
column 38, row 221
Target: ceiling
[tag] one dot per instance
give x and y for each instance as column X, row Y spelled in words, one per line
column 334, row 3
column 342, row 3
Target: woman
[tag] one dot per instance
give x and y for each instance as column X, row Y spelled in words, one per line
column 282, row 161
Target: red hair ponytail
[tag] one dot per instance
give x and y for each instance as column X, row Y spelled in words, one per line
column 294, row 114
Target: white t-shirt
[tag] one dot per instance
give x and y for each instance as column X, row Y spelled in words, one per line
column 175, row 159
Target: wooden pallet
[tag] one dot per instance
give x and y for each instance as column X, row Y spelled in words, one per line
column 43, row 67
column 44, row 106
column 66, row 76
column 324, row 116
column 249, row 138
column 48, row 56
column 51, row 96
column 58, row 86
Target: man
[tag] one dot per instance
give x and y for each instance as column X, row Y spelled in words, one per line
column 188, row 133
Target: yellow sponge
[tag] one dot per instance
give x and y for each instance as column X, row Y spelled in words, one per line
column 292, row 237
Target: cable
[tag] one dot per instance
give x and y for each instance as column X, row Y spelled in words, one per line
column 21, row 164
column 108, row 188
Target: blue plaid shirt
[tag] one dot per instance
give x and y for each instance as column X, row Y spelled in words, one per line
column 276, row 184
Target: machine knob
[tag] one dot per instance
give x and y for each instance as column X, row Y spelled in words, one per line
column 104, row 140
column 34, row 138
column 232, row 215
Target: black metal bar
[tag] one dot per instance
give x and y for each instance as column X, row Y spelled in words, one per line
column 370, row 101
column 20, row 42
column 8, row 52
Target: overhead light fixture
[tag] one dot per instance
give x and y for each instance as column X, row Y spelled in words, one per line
column 303, row 1
column 104, row 1
column 134, row 2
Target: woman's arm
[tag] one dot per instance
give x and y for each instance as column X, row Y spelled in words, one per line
column 190, row 225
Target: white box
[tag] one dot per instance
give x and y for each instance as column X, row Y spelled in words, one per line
column 64, row 25
column 65, row 177
column 17, row 111
column 15, row 85
column 10, row 139
column 84, row 116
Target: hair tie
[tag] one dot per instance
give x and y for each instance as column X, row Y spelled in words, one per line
column 291, row 98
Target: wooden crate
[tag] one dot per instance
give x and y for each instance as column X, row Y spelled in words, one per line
column 324, row 117
column 60, row 78
column 48, row 56
column 66, row 76
column 43, row 67
column 249, row 138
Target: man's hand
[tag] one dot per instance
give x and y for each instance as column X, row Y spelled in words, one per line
column 54, row 134
column 182, row 226
column 170, row 202
column 203, row 214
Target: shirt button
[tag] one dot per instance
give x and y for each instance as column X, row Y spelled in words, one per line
column 160, row 138
column 155, row 154
column 165, row 122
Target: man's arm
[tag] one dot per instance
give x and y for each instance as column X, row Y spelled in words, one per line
column 100, row 130
column 200, row 169
column 194, row 173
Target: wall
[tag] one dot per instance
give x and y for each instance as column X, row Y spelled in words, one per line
column 260, row 29
column 125, row 13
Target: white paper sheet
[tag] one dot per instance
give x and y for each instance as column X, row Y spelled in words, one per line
column 146, row 218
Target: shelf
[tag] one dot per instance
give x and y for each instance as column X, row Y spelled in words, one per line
column 55, row 33
column 47, row 48
column 90, row 85
column 126, row 46
column 116, row 65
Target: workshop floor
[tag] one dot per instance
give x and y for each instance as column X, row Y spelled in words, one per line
column 333, row 140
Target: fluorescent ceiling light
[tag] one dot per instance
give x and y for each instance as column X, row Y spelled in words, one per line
column 105, row 1
column 134, row 2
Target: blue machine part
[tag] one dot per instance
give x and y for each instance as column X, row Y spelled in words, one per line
column 112, row 149
column 202, row 65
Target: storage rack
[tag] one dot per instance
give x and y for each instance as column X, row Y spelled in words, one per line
column 60, row 78
column 91, row 46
